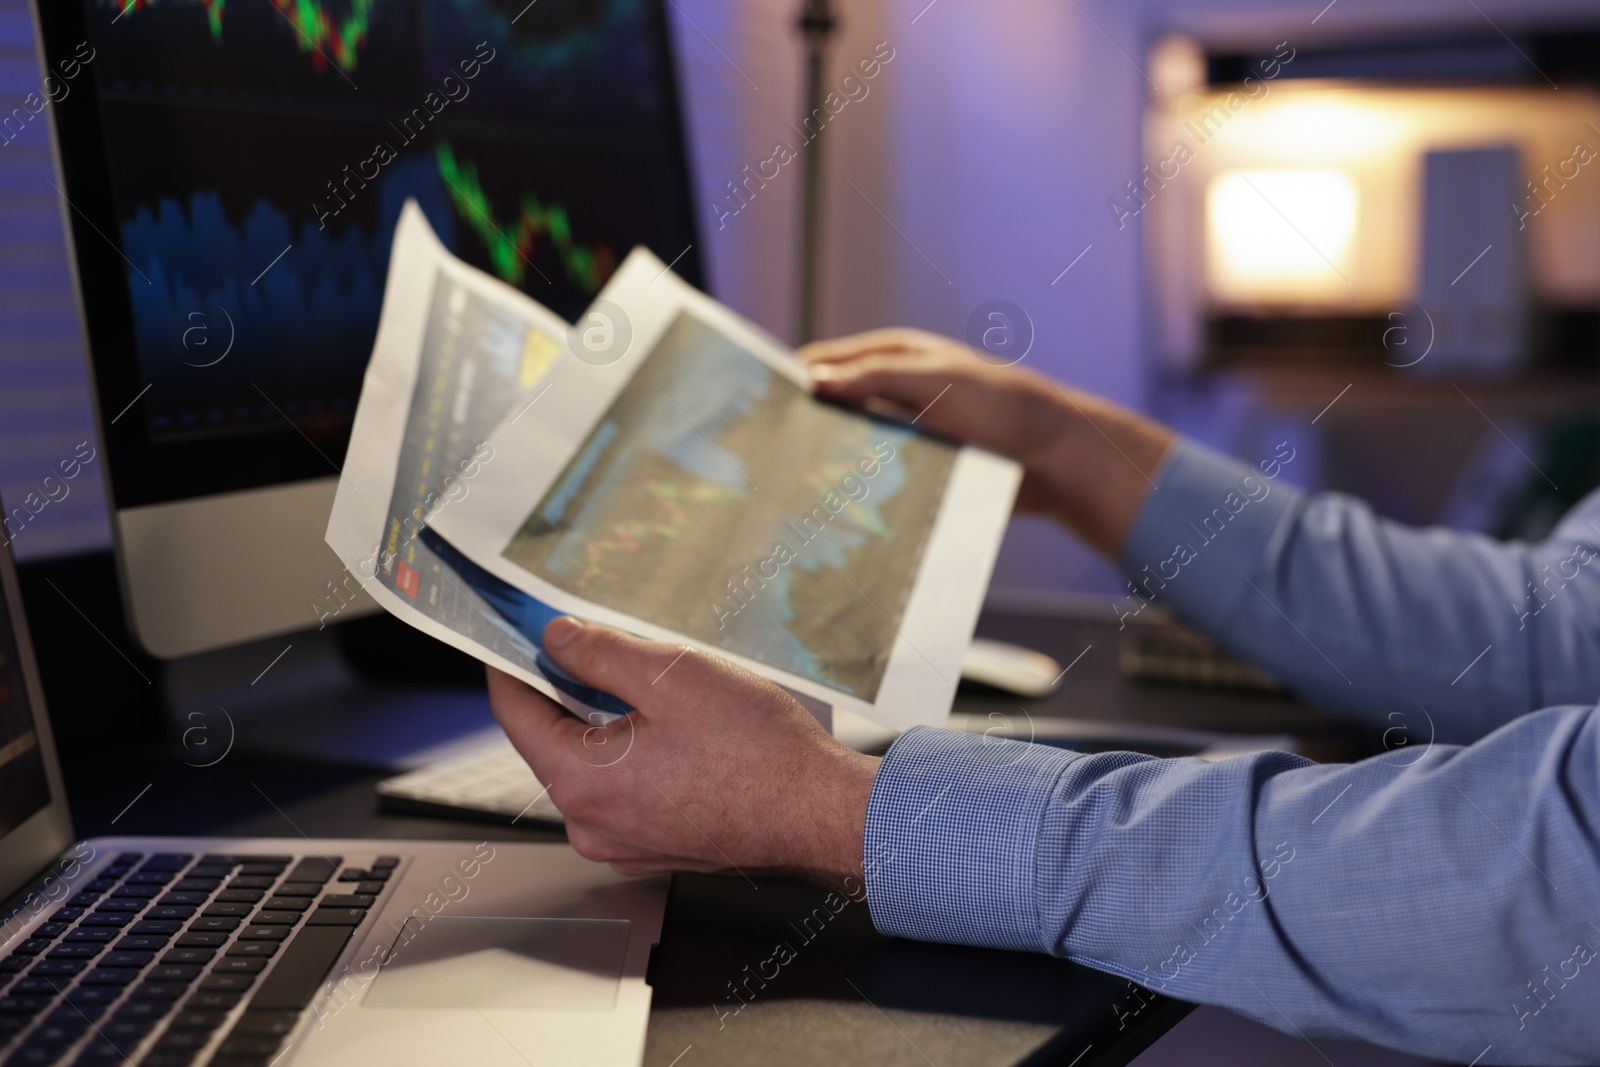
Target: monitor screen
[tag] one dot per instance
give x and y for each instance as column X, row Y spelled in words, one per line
column 236, row 168
column 24, row 785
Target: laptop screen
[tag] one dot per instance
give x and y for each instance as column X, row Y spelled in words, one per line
column 24, row 787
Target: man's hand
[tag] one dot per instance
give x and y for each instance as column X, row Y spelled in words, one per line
column 716, row 770
column 1086, row 462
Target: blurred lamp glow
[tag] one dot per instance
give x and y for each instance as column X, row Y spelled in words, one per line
column 1281, row 234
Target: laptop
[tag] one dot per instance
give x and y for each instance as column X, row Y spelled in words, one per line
column 248, row 952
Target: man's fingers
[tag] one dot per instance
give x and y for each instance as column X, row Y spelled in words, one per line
column 618, row 663
column 538, row 727
column 907, row 381
column 860, row 344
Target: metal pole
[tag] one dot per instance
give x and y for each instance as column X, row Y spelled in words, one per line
column 817, row 25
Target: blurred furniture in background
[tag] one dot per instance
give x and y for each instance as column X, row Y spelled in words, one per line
column 1387, row 255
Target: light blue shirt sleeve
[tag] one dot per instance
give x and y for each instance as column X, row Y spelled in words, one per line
column 1439, row 899
column 1447, row 634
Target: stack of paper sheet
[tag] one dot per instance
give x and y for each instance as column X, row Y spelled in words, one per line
column 662, row 467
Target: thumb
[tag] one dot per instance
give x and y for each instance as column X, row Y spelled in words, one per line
column 910, row 382
column 621, row 664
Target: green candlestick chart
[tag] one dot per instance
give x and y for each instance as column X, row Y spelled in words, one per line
column 511, row 243
column 318, row 33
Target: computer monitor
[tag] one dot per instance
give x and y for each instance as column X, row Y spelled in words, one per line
column 231, row 172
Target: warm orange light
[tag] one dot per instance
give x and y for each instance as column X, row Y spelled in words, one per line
column 1280, row 234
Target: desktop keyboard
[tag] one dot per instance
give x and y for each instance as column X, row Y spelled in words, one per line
column 163, row 959
column 493, row 784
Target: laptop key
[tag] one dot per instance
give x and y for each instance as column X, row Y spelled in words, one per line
column 196, row 885
column 143, row 1009
column 347, row 900
column 56, row 968
column 202, row 940
column 252, row 881
column 174, row 972
column 131, row 943
column 84, row 899
column 189, row 955
column 209, row 871
column 164, row 1055
column 106, row 918
column 369, row 888
column 184, row 899
column 240, row 896
column 128, row 904
column 337, row 917
column 251, row 870
column 168, row 912
column 276, row 918
column 239, row 965
column 127, row 1031
column 207, row 924
column 253, row 949
column 279, row 861
column 117, row 976
column 168, row 861
column 299, row 971
column 383, row 863
column 76, row 950
column 213, row 1001
column 299, row 889
column 127, row 959
column 227, row 983
column 37, row 987
column 250, row 1047
column 51, row 930
column 14, row 963
column 148, row 878
column 287, row 903
column 316, row 869
column 66, row 915
column 237, row 911
column 154, row 926
column 266, row 1023
column 100, row 934
column 33, row 946
column 160, row 990
column 264, row 933
column 24, row 1005
column 205, row 1021
column 136, row 892
column 62, row 1032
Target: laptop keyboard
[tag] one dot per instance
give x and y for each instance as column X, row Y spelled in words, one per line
column 151, row 961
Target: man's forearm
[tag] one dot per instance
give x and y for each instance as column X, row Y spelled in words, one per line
column 1102, row 466
column 1432, row 904
column 1429, row 633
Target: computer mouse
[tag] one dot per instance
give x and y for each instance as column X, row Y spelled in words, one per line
column 1010, row 667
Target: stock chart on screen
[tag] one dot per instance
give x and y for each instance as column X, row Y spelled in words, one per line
column 260, row 151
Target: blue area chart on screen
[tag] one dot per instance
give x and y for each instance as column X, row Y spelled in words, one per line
column 325, row 297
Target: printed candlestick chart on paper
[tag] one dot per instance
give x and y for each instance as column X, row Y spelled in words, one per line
column 511, row 243
column 319, row 32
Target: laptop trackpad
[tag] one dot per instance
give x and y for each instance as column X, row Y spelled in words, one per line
column 503, row 964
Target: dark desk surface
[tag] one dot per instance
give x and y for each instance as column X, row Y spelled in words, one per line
column 850, row 995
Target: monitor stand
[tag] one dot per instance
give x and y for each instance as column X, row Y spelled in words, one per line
column 297, row 695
